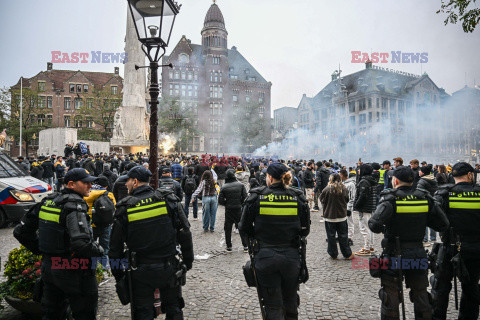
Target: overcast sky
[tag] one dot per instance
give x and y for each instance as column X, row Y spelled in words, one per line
column 294, row 44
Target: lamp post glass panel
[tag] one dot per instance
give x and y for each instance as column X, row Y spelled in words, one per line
column 154, row 21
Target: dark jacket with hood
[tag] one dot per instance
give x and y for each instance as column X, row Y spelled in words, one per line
column 37, row 172
column 48, row 169
column 233, row 193
column 120, row 190
column 321, row 181
column 111, row 177
column 427, row 184
column 366, row 193
column 89, row 165
column 308, row 178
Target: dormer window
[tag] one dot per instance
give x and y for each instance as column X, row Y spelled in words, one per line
column 183, row 58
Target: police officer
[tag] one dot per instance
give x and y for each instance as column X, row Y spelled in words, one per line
column 404, row 213
column 461, row 203
column 276, row 216
column 152, row 224
column 65, row 239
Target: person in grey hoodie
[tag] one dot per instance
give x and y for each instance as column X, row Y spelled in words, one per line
column 243, row 177
column 349, row 182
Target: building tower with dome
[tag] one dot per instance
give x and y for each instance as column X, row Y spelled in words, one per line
column 215, row 83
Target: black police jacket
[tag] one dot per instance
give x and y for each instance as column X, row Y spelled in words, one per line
column 275, row 215
column 151, row 224
column 462, row 205
column 63, row 225
column 405, row 213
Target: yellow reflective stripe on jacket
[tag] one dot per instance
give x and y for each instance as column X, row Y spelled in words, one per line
column 51, row 209
column 464, row 203
column 381, row 181
column 49, row 216
column 415, row 206
column 156, row 209
column 269, row 211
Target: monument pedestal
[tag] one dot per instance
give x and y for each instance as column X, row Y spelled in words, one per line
column 131, row 146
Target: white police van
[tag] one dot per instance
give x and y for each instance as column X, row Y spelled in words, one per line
column 18, row 190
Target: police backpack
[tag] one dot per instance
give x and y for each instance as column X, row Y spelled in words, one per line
column 103, row 210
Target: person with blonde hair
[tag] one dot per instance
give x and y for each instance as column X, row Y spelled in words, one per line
column 334, row 199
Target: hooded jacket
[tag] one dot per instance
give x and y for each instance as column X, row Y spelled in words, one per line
column 366, row 193
column 37, row 172
column 48, row 169
column 321, row 181
column 89, row 165
column 350, row 185
column 244, row 178
column 111, row 177
column 334, row 204
column 428, row 184
column 233, row 193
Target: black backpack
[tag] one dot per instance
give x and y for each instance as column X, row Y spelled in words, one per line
column 166, row 185
column 103, row 210
column 190, row 185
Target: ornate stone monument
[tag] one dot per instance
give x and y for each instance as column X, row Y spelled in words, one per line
column 131, row 124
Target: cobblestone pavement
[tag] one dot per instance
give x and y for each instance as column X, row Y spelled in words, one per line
column 216, row 288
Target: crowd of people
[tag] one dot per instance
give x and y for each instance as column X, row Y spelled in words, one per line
column 348, row 195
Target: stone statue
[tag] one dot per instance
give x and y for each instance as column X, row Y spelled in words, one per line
column 118, row 126
column 3, row 137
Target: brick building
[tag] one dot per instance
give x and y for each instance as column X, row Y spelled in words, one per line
column 214, row 81
column 285, row 120
column 63, row 93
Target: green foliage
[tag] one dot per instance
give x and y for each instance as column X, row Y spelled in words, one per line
column 460, row 10
column 22, row 269
column 248, row 128
column 177, row 121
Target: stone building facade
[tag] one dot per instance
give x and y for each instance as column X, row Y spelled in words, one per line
column 63, row 93
column 213, row 82
column 284, row 120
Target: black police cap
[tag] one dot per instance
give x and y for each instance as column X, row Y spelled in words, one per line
column 277, row 169
column 462, row 169
column 78, row 174
column 404, row 174
column 140, row 173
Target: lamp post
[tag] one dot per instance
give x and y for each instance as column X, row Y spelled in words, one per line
column 154, row 21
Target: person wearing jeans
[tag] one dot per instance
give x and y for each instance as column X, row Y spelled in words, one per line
column 188, row 199
column 209, row 200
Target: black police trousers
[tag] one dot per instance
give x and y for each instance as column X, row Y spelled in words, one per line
column 417, row 281
column 442, row 285
column 76, row 287
column 232, row 216
column 148, row 277
column 277, row 274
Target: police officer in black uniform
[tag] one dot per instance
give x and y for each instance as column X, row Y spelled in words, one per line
column 276, row 216
column 152, row 224
column 404, row 213
column 461, row 203
column 65, row 239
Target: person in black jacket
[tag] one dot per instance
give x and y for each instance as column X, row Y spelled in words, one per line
column 68, row 150
column 59, row 228
column 48, row 171
column 89, row 165
column 37, row 171
column 189, row 184
column 365, row 203
column 166, row 182
column 152, row 223
column 309, row 181
column 111, row 177
column 232, row 195
column 321, row 181
column 98, row 166
column 428, row 185
column 119, row 189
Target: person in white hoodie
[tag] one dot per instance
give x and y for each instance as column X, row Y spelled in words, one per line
column 243, row 176
column 349, row 182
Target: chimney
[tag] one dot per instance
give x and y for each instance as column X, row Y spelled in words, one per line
column 117, row 70
column 49, row 66
column 368, row 64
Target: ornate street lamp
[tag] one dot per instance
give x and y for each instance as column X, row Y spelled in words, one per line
column 154, row 21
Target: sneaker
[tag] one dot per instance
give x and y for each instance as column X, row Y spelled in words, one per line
column 228, row 250
column 316, row 209
column 205, row 230
column 372, row 250
column 212, row 230
column 236, row 230
column 427, row 244
column 350, row 242
column 351, row 257
column 245, row 249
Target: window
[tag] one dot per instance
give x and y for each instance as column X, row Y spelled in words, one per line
column 49, row 119
column 370, row 117
column 79, row 88
column 216, row 109
column 78, row 103
column 41, row 86
column 195, row 75
column 316, row 115
column 41, row 102
column 361, row 105
column 189, row 75
column 170, row 74
column 177, row 74
column 352, row 120
column 190, row 91
column 196, row 91
column 247, row 98
column 114, row 89
column 235, row 98
column 177, row 89
column 378, row 104
column 351, row 106
column 89, row 103
column 324, row 114
column 261, row 97
column 384, row 104
column 184, row 90
column 401, row 106
column 67, row 121
column 216, row 60
column 41, row 119
column 362, row 119
column 49, row 102
column 369, row 103
column 85, row 88
column 89, row 123
column 67, row 103
column 171, row 89
column 378, row 116
column 72, row 88
column 78, row 122
column 183, row 75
